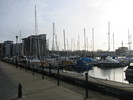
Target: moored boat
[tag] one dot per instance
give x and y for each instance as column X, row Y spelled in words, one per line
column 129, row 71
column 107, row 61
column 129, row 74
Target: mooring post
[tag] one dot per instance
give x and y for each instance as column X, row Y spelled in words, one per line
column 58, row 77
column 50, row 66
column 129, row 64
column 33, row 69
column 86, row 82
column 19, row 91
column 42, row 72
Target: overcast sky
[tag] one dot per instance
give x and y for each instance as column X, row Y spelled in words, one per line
column 71, row 15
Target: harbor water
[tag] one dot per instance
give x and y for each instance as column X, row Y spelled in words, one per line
column 114, row 74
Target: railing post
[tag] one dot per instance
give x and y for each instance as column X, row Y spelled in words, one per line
column 19, row 91
column 33, row 69
column 42, row 72
column 16, row 63
column 86, row 83
column 58, row 77
column 20, row 66
column 27, row 64
column 50, row 66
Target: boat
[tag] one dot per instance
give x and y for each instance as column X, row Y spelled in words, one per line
column 52, row 59
column 82, row 66
column 123, row 60
column 107, row 61
column 129, row 73
column 74, row 63
column 33, row 61
column 90, row 60
column 129, row 70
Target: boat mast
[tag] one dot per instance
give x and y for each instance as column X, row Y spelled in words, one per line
column 64, row 40
column 113, row 43
column 122, row 43
column 56, row 42
column 64, row 44
column 71, row 44
column 93, row 39
column 87, row 43
column 67, row 45
column 53, row 38
column 108, row 36
column 36, row 34
column 84, row 40
column 129, row 41
column 74, row 44
column 78, row 44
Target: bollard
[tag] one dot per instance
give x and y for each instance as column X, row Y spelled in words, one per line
column 32, row 69
column 58, row 76
column 50, row 66
column 129, row 64
column 19, row 91
column 86, row 82
column 42, row 72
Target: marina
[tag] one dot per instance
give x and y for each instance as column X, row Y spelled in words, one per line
column 114, row 74
column 101, row 82
column 82, row 44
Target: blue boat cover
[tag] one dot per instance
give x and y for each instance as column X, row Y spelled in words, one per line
column 86, row 59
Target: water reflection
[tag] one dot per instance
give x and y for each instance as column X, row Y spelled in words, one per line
column 114, row 74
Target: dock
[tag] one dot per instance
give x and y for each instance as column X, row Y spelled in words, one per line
column 36, row 88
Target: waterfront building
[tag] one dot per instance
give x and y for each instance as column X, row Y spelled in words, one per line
column 8, row 48
column 1, row 49
column 17, row 49
column 34, row 45
column 122, row 51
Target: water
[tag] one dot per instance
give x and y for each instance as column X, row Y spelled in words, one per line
column 114, row 74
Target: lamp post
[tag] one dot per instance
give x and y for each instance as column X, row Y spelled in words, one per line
column 16, row 45
column 16, row 52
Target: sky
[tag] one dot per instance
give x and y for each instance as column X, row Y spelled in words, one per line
column 73, row 16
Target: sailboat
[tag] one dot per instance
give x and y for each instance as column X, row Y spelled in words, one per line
column 33, row 60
